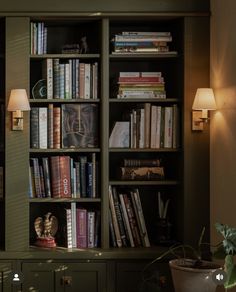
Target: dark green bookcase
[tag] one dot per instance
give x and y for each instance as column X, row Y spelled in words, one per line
column 188, row 183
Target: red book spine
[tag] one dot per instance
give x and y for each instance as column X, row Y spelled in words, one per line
column 81, row 228
column 141, row 79
column 65, row 184
column 56, row 127
column 55, row 177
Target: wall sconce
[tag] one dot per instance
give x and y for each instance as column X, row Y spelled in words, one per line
column 203, row 102
column 18, row 102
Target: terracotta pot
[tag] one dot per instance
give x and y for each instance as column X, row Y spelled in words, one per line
column 187, row 278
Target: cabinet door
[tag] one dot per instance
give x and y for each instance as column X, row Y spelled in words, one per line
column 43, row 277
column 131, row 277
column 85, row 277
column 5, row 281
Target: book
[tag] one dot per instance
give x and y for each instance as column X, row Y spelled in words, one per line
column 56, row 127
column 48, row 75
column 79, row 125
column 34, row 127
column 131, row 162
column 142, row 173
column 120, row 135
column 81, row 227
column 50, row 126
column 114, row 219
column 135, row 197
column 43, row 128
column 64, row 172
column 91, row 228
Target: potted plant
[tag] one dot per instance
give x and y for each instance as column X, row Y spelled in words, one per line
column 191, row 273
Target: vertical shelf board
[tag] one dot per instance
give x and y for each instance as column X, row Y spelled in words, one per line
column 196, row 144
column 104, row 132
column 17, row 142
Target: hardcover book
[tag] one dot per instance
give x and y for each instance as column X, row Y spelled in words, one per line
column 79, row 125
column 142, row 173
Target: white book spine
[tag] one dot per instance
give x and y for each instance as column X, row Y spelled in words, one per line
column 43, row 128
column 73, row 224
column 129, row 74
column 141, row 141
column 69, row 228
column 49, row 68
column 67, row 81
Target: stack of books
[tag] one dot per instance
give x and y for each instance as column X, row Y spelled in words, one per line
column 141, row 85
column 141, row 42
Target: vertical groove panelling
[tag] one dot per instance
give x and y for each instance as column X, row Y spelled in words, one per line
column 105, row 131
column 196, row 144
column 17, row 68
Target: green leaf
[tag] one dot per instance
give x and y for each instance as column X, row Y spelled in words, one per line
column 229, row 234
column 231, row 272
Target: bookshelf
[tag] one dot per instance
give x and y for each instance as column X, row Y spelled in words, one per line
column 185, row 182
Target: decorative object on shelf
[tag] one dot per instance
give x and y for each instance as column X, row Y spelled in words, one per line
column 203, row 102
column 84, row 45
column 71, row 49
column 18, row 102
column 46, row 229
column 39, row 90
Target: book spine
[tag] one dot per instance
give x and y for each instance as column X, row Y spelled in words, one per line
column 34, row 127
column 69, row 228
column 77, row 178
column 81, row 227
column 42, row 181
column 56, row 78
column 50, row 125
column 36, row 176
column 147, row 114
column 142, row 173
column 126, row 221
column 140, row 218
column 141, row 162
column 62, row 80
column 43, row 127
column 91, row 229
column 87, row 81
column 56, row 127
column 89, row 179
column 47, row 180
column 119, row 217
column 82, row 80
column 168, row 127
column 64, row 164
column 112, row 230
column 83, row 174
column 48, row 75
column 73, row 224
column 55, row 176
column 77, row 78
column 114, row 219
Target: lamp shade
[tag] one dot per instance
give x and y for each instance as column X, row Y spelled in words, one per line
column 18, row 100
column 204, row 99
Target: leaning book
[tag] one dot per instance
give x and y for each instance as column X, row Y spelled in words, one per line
column 79, row 125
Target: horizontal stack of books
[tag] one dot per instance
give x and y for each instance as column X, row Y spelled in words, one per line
column 141, row 85
column 141, row 42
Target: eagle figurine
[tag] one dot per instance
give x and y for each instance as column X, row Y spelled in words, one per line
column 46, row 227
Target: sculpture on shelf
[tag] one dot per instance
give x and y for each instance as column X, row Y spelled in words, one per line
column 46, row 229
column 83, row 45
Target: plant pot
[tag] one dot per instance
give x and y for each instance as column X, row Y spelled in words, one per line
column 190, row 278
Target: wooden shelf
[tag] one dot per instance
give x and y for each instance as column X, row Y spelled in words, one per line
column 64, row 200
column 66, row 150
column 145, row 183
column 144, row 150
column 143, row 100
column 31, row 100
column 66, row 56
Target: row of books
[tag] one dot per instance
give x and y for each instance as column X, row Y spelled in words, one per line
column 70, row 79
column 141, row 85
column 78, row 227
column 68, row 126
column 63, row 177
column 38, row 39
column 126, row 219
column 149, row 127
column 141, row 42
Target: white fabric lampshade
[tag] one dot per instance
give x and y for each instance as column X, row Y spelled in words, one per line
column 18, row 100
column 204, row 99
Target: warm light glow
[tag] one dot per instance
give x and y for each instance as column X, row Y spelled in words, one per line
column 18, row 100
column 204, row 99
